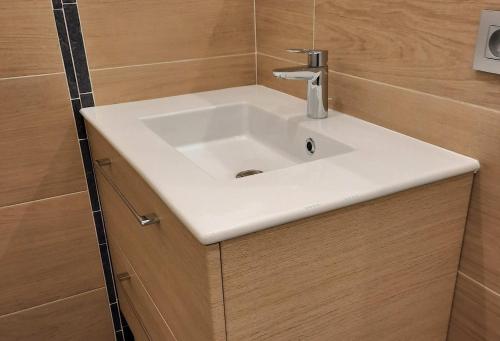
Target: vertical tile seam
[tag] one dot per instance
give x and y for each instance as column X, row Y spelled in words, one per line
column 314, row 25
column 255, row 40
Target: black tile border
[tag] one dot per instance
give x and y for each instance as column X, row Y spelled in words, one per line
column 77, row 48
column 127, row 333
column 56, row 4
column 74, row 58
column 66, row 51
column 80, row 124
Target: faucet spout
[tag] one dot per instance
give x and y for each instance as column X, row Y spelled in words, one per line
column 316, row 75
column 298, row 73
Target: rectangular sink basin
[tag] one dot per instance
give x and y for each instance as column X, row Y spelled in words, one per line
column 190, row 148
column 240, row 139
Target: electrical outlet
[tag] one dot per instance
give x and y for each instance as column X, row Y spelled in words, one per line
column 487, row 55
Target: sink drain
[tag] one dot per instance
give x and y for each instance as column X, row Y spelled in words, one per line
column 248, row 172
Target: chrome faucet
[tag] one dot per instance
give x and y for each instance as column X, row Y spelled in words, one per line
column 316, row 75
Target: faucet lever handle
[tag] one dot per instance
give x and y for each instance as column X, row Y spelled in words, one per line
column 316, row 58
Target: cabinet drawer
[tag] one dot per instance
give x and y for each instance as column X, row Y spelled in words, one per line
column 182, row 276
column 141, row 314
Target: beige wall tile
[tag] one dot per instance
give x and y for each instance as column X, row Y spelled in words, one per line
column 48, row 251
column 423, row 45
column 444, row 122
column 28, row 39
column 38, row 146
column 476, row 313
column 119, row 33
column 284, row 24
column 78, row 318
column 169, row 79
column 481, row 251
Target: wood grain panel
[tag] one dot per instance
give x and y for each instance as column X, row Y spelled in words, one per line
column 476, row 313
column 119, row 33
column 78, row 318
column 382, row 270
column 48, row 251
column 38, row 145
column 284, row 24
column 424, row 45
column 28, row 39
column 447, row 123
column 169, row 79
column 182, row 276
column 135, row 302
column 481, row 251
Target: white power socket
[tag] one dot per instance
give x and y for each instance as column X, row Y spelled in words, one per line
column 487, row 55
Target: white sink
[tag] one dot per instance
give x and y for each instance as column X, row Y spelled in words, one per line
column 229, row 139
column 189, row 149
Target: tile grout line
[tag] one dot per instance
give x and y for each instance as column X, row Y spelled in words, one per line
column 491, row 291
column 255, row 40
column 43, row 199
column 314, row 24
column 33, row 76
column 175, row 61
column 52, row 302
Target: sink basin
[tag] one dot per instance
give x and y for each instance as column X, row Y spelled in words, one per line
column 228, row 139
column 190, row 148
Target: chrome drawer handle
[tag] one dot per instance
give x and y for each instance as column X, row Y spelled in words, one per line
column 142, row 219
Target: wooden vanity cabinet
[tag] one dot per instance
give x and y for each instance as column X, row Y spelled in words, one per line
column 381, row 270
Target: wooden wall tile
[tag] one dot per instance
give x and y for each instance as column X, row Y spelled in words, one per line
column 284, row 24
column 169, row 79
column 481, row 251
column 440, row 121
column 476, row 313
column 48, row 251
column 423, row 45
column 38, row 145
column 119, row 33
column 77, row 318
column 28, row 39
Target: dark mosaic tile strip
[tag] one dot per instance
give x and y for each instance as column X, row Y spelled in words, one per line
column 79, row 121
column 78, row 78
column 115, row 314
column 119, row 336
column 87, row 100
column 66, row 53
column 124, row 320
column 77, row 47
column 89, row 173
column 56, row 4
column 108, row 273
column 99, row 227
column 127, row 334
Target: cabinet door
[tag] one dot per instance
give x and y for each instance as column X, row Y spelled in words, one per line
column 382, row 270
column 135, row 302
column 182, row 276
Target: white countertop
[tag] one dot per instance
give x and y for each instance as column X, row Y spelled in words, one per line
column 381, row 162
